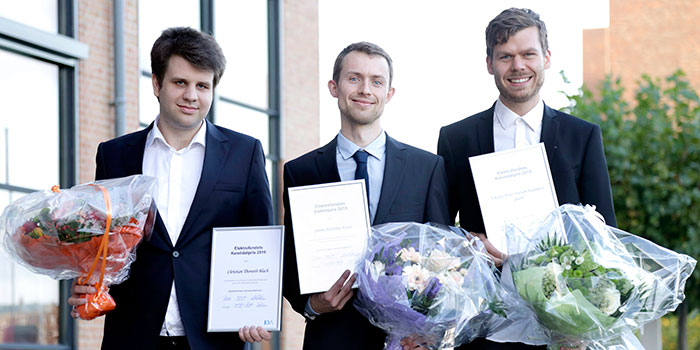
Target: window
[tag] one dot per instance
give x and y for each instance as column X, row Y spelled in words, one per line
column 37, row 63
column 247, row 99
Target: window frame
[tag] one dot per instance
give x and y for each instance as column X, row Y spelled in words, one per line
column 64, row 51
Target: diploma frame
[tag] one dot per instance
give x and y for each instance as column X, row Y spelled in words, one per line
column 513, row 187
column 219, row 318
column 302, row 200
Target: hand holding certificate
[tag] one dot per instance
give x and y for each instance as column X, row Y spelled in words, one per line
column 245, row 286
column 513, row 186
column 331, row 229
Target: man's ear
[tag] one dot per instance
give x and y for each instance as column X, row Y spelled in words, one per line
column 156, row 86
column 333, row 88
column 547, row 62
column 390, row 94
column 489, row 67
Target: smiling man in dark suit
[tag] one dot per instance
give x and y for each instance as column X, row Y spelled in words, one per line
column 404, row 184
column 208, row 176
column 517, row 55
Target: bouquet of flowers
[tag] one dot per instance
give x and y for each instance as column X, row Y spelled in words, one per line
column 430, row 283
column 591, row 284
column 67, row 234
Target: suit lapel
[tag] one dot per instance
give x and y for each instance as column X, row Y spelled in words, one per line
column 550, row 131
column 393, row 174
column 484, row 132
column 215, row 154
column 132, row 157
column 326, row 163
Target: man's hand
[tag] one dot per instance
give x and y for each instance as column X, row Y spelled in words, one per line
column 78, row 298
column 336, row 297
column 496, row 254
column 252, row 334
column 412, row 343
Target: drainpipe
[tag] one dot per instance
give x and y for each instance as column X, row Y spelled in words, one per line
column 119, row 70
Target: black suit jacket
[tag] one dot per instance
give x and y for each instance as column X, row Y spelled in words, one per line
column 233, row 191
column 414, row 189
column 576, row 159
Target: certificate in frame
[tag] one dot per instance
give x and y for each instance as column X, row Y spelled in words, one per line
column 331, row 230
column 245, row 284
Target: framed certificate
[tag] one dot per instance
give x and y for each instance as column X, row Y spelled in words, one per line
column 245, row 286
column 513, row 186
column 331, row 230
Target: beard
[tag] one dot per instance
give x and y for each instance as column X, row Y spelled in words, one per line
column 522, row 95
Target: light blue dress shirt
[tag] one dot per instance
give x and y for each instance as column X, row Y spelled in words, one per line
column 375, row 166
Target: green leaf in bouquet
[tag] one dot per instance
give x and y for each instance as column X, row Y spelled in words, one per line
column 572, row 314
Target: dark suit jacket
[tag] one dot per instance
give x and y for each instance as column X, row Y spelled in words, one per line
column 233, row 191
column 576, row 159
column 414, row 189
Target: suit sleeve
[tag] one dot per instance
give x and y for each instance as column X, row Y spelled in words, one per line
column 258, row 206
column 436, row 209
column 290, row 281
column 100, row 171
column 445, row 151
column 595, row 181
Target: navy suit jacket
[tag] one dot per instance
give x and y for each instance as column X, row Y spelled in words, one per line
column 233, row 191
column 414, row 189
column 576, row 159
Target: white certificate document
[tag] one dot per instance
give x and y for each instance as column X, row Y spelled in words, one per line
column 245, row 286
column 331, row 230
column 514, row 187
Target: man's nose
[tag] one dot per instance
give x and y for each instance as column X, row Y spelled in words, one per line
column 365, row 87
column 190, row 93
column 518, row 63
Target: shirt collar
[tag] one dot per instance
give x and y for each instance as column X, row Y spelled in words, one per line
column 376, row 148
column 199, row 138
column 506, row 118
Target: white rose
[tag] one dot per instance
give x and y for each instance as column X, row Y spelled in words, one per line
column 611, row 301
column 410, row 254
column 439, row 260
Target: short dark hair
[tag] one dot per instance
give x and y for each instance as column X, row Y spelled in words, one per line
column 511, row 21
column 199, row 49
column 366, row 48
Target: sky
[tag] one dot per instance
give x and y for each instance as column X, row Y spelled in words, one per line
column 439, row 55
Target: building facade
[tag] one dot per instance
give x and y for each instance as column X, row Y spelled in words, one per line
column 653, row 37
column 77, row 72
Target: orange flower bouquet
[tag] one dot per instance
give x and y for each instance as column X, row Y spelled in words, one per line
column 72, row 233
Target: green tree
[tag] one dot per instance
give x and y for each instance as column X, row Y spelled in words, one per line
column 652, row 146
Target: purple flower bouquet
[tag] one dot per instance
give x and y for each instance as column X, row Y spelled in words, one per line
column 429, row 283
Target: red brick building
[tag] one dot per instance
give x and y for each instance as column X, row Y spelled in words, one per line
column 60, row 76
column 654, row 37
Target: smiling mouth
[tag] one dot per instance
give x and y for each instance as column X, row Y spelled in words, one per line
column 187, row 109
column 363, row 103
column 519, row 80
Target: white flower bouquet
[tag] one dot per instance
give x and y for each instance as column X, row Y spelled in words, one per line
column 591, row 284
column 430, row 283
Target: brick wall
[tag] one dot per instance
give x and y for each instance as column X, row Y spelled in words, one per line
column 96, row 95
column 300, row 113
column 96, row 77
column 653, row 37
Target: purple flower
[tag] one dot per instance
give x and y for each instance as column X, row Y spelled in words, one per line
column 433, row 288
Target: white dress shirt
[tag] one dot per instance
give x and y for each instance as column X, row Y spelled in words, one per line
column 375, row 166
column 513, row 131
column 178, row 173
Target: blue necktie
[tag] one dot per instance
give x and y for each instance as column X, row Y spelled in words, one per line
column 361, row 171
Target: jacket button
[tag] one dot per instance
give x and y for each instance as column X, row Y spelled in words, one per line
column 176, row 254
